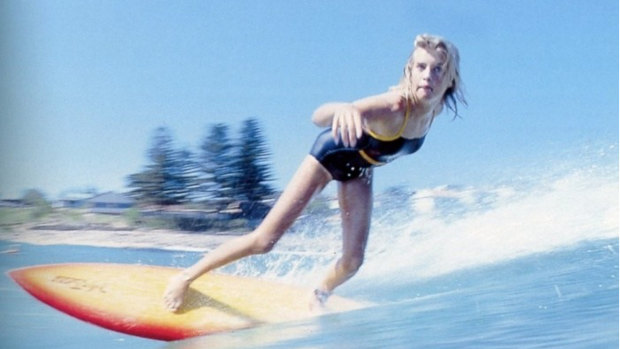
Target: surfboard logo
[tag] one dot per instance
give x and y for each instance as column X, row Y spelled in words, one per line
column 79, row 284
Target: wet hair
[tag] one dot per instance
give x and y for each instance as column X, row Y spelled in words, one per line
column 450, row 55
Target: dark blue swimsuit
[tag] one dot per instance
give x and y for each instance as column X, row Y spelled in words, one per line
column 346, row 163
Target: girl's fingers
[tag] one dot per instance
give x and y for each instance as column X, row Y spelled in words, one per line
column 347, row 127
column 358, row 126
column 352, row 130
column 344, row 130
column 335, row 129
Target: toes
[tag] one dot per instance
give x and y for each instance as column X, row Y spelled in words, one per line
column 171, row 303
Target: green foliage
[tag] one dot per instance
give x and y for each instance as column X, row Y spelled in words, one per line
column 167, row 179
column 14, row 216
column 132, row 217
column 159, row 223
column 36, row 200
column 252, row 164
column 33, row 197
column 224, row 172
column 217, row 180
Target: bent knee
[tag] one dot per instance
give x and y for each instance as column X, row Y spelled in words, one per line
column 263, row 244
column 351, row 265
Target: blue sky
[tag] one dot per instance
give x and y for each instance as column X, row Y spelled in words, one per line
column 85, row 83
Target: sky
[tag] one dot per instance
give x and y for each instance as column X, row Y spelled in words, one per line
column 85, row 83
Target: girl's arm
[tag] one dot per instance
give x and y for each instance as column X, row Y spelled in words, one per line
column 348, row 120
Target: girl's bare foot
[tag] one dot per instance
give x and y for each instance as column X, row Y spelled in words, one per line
column 318, row 300
column 175, row 292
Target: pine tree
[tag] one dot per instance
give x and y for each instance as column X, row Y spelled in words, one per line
column 252, row 164
column 217, row 179
column 164, row 181
column 185, row 176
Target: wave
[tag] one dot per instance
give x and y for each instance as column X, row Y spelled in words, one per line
column 435, row 231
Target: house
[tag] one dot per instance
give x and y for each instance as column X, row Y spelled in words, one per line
column 72, row 200
column 109, row 203
column 11, row 203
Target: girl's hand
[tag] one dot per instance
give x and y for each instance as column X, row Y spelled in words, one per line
column 347, row 125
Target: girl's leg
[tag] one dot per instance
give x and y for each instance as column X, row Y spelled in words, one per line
column 310, row 178
column 355, row 198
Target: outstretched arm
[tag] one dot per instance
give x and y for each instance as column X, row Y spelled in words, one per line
column 348, row 120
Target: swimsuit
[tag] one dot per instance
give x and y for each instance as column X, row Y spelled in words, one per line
column 346, row 163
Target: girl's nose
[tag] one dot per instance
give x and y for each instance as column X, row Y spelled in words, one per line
column 426, row 74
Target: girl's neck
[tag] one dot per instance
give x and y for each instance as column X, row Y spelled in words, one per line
column 424, row 110
column 420, row 119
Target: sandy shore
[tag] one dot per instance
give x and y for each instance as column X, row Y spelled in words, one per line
column 161, row 239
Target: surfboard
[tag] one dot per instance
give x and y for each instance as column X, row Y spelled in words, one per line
column 128, row 298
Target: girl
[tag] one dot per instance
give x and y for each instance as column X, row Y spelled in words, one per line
column 363, row 134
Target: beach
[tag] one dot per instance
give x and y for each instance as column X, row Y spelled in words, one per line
column 137, row 238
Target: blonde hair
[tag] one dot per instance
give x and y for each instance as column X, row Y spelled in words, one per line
column 450, row 55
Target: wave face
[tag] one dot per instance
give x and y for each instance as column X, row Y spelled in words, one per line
column 527, row 259
column 419, row 234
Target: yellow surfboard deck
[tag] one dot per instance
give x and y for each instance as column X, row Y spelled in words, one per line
column 128, row 298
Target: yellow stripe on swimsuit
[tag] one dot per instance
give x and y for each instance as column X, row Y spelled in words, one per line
column 385, row 139
column 349, row 162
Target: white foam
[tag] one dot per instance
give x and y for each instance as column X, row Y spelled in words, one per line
column 449, row 228
column 577, row 206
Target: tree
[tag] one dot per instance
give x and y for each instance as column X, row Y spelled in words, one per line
column 217, row 179
column 185, row 174
column 36, row 199
column 252, row 164
column 165, row 179
column 223, row 171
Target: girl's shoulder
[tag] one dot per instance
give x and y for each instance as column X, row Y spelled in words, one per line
column 390, row 116
column 396, row 98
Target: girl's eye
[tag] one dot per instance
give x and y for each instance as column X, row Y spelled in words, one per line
column 437, row 69
column 421, row 67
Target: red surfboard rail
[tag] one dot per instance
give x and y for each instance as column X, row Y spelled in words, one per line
column 128, row 298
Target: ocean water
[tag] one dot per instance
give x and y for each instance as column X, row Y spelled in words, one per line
column 527, row 261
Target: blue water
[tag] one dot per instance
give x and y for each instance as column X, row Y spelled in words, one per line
column 531, row 262
column 562, row 299
column 566, row 298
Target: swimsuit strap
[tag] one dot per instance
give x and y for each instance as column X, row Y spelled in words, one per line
column 400, row 131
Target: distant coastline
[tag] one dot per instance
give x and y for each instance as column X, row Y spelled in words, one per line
column 118, row 238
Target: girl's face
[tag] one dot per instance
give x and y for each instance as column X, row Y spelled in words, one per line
column 428, row 76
